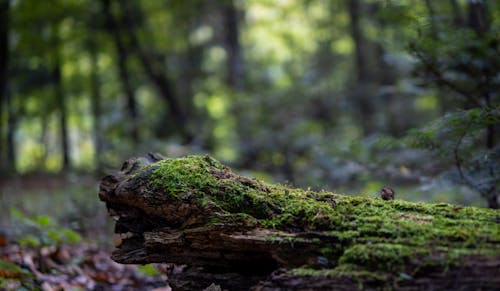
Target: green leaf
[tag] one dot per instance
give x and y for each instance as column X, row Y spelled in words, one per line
column 43, row 221
column 149, row 270
column 29, row 241
column 17, row 214
column 54, row 236
column 69, row 236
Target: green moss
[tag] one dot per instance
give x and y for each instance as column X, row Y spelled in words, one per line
column 371, row 234
column 382, row 256
column 351, row 272
column 176, row 177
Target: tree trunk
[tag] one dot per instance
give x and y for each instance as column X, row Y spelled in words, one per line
column 432, row 18
column 122, row 53
column 95, row 92
column 235, row 72
column 363, row 99
column 479, row 22
column 44, row 120
column 235, row 78
column 11, row 129
column 493, row 198
column 4, row 63
column 478, row 16
column 156, row 74
column 354, row 7
column 60, row 98
column 458, row 18
column 96, row 110
column 241, row 233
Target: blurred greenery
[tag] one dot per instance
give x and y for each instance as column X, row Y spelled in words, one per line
column 149, row 270
column 343, row 95
column 46, row 231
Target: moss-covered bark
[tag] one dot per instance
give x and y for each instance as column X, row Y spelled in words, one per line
column 196, row 211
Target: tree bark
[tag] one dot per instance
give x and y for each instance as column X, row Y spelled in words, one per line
column 241, row 233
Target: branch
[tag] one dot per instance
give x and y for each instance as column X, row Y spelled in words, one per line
column 440, row 79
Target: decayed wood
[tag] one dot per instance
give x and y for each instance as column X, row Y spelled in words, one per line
column 237, row 248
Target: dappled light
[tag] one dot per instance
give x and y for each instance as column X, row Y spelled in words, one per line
column 353, row 97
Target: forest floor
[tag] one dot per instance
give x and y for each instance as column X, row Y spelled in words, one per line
column 36, row 252
column 74, row 267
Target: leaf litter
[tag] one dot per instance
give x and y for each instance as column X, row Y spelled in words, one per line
column 79, row 266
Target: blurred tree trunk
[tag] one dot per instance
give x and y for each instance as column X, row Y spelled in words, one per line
column 432, row 17
column 388, row 102
column 4, row 90
column 11, row 129
column 153, row 67
column 354, row 7
column 235, row 76
column 4, row 63
column 96, row 106
column 479, row 21
column 95, row 92
column 60, row 97
column 122, row 53
column 457, row 13
column 363, row 99
column 4, row 55
column 5, row 95
column 478, row 16
column 44, row 120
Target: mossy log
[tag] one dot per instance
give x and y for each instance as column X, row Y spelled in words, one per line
column 242, row 233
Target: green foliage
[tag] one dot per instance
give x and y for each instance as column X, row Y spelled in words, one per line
column 462, row 59
column 149, row 270
column 43, row 231
column 464, row 128
column 296, row 110
column 7, row 267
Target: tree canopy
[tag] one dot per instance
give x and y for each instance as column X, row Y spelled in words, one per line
column 335, row 94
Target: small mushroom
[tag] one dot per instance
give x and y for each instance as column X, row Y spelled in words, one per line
column 387, row 193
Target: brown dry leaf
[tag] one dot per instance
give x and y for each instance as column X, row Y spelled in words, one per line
column 47, row 287
column 78, row 267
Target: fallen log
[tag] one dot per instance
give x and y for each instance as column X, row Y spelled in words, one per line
column 242, row 233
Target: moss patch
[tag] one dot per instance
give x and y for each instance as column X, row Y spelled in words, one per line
column 372, row 235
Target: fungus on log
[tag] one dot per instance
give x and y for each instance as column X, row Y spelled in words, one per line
column 242, row 233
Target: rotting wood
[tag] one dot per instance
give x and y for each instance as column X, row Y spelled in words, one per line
column 242, row 233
